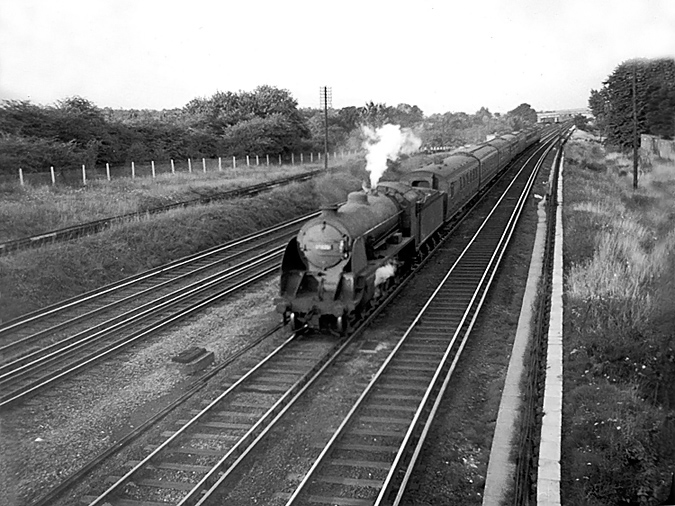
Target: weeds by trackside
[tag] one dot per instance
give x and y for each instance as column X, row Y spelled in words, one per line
column 619, row 393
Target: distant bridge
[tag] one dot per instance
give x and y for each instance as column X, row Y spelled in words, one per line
column 562, row 115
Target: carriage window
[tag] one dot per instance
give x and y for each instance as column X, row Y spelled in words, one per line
column 421, row 184
column 452, row 189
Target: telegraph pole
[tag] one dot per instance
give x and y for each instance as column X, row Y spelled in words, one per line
column 326, row 96
column 635, row 129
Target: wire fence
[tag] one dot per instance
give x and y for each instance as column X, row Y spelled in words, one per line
column 81, row 176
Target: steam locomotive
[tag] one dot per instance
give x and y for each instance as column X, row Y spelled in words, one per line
column 342, row 261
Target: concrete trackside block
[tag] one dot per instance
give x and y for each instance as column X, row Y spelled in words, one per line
column 548, row 472
column 194, row 360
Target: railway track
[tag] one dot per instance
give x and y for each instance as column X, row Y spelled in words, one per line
column 75, row 231
column 44, row 347
column 384, row 430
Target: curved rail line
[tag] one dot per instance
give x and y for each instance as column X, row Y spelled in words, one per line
column 192, row 462
column 75, row 231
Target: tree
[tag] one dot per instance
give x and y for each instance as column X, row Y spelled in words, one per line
column 612, row 105
column 525, row 112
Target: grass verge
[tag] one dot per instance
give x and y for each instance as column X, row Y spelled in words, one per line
column 619, row 400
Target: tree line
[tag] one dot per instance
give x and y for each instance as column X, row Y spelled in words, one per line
column 265, row 121
column 649, row 85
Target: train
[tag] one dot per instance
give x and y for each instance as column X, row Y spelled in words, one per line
column 343, row 261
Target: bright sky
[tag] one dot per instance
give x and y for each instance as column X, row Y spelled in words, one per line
column 440, row 55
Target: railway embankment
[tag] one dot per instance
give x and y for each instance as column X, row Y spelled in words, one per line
column 618, row 423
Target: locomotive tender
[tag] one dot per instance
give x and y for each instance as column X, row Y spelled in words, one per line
column 341, row 261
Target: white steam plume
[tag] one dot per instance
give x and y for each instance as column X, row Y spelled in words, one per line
column 386, row 143
column 384, row 272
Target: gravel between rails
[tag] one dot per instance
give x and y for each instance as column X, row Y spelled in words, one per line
column 49, row 436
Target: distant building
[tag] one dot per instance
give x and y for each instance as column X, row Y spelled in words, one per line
column 562, row 115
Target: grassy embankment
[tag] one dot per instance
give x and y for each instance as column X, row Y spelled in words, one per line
column 619, row 380
column 33, row 210
column 35, row 278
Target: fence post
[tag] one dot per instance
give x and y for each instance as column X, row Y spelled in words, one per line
column 21, row 175
column 292, row 158
column 204, row 165
column 234, row 162
column 279, row 159
column 84, row 175
column 302, row 159
column 220, row 164
column 190, row 165
column 342, row 154
column 311, row 158
column 173, row 167
column 248, row 163
column 51, row 169
column 107, row 170
column 152, row 163
column 133, row 171
column 319, row 156
column 257, row 160
column 268, row 160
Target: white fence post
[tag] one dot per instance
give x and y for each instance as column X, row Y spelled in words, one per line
column 133, row 171
column 234, row 162
column 204, row 165
column 190, row 165
column 268, row 160
column 292, row 158
column 173, row 167
column 257, row 160
column 21, row 175
column 302, row 160
column 220, row 164
column 152, row 164
column 319, row 156
column 248, row 163
column 311, row 158
column 51, row 169
column 84, row 175
column 279, row 159
column 107, row 170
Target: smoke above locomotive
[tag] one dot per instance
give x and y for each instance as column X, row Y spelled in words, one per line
column 386, row 143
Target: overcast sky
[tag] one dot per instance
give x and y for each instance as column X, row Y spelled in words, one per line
column 440, row 55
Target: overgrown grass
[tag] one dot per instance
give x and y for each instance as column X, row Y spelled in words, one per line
column 31, row 210
column 619, row 403
column 36, row 278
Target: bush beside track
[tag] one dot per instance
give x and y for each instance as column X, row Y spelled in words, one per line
column 36, row 278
